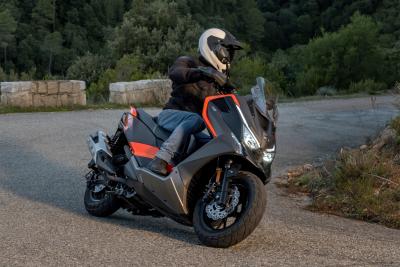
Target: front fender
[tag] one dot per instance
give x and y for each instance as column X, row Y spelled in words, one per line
column 220, row 145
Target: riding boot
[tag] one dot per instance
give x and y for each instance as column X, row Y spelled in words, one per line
column 158, row 166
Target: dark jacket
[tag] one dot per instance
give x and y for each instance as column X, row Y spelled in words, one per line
column 189, row 87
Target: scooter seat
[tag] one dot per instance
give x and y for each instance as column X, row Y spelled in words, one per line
column 151, row 123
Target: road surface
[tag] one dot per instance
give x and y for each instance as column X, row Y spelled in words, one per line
column 43, row 158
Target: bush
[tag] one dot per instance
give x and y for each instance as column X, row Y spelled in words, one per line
column 326, row 91
column 247, row 69
column 368, row 85
column 88, row 68
column 360, row 184
column 395, row 124
column 339, row 58
column 128, row 68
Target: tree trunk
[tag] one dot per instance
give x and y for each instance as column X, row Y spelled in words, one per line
column 5, row 59
column 54, row 15
column 50, row 62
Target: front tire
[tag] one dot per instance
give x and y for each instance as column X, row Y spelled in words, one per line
column 253, row 203
column 100, row 204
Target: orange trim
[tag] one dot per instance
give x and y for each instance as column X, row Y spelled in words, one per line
column 143, row 150
column 205, row 115
column 133, row 112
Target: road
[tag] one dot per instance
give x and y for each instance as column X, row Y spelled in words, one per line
column 43, row 158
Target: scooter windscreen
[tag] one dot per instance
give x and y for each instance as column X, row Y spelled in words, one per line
column 264, row 99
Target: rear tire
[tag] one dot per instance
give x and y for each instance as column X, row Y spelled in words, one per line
column 247, row 221
column 100, row 205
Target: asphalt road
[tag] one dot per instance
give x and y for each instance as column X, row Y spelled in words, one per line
column 43, row 158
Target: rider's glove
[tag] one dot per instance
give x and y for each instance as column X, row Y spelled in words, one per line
column 215, row 76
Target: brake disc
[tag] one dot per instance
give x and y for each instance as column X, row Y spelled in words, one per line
column 216, row 212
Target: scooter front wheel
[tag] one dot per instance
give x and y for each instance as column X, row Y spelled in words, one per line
column 223, row 227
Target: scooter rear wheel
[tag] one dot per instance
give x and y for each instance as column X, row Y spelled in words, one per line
column 100, row 204
column 239, row 223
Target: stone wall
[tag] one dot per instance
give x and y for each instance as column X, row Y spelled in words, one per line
column 147, row 92
column 43, row 93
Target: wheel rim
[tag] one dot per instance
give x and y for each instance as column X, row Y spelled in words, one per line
column 99, row 196
column 233, row 217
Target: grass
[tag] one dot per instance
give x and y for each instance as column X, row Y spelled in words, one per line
column 361, row 184
column 320, row 97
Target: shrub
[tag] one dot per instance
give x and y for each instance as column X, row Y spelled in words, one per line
column 247, row 69
column 368, row 85
column 88, row 68
column 128, row 68
column 338, row 58
column 395, row 124
column 326, row 91
column 361, row 184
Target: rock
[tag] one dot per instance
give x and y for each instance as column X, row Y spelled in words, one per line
column 52, row 87
column 42, row 87
column 149, row 92
column 8, row 87
column 326, row 91
column 62, row 100
column 363, row 147
column 308, row 167
column 78, row 86
column 34, row 88
column 43, row 93
column 65, row 87
column 20, row 99
column 82, row 99
column 24, row 86
column 74, row 99
column 387, row 137
column 39, row 100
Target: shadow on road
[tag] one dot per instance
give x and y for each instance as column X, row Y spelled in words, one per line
column 48, row 181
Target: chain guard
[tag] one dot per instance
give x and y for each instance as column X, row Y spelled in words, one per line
column 216, row 212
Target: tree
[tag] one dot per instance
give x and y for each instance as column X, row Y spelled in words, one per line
column 242, row 18
column 337, row 59
column 8, row 25
column 157, row 33
column 52, row 45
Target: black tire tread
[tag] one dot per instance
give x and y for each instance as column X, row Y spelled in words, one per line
column 246, row 224
column 107, row 206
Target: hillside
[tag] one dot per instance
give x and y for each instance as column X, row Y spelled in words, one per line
column 355, row 43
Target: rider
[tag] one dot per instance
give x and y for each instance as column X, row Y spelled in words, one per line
column 192, row 81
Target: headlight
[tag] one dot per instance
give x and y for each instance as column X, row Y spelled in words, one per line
column 268, row 157
column 269, row 154
column 238, row 145
column 249, row 139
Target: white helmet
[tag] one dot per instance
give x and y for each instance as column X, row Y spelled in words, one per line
column 218, row 47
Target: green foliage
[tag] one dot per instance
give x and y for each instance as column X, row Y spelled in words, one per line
column 299, row 46
column 242, row 18
column 368, row 85
column 395, row 124
column 128, row 68
column 8, row 25
column 156, row 32
column 360, row 184
column 246, row 70
column 88, row 67
column 339, row 58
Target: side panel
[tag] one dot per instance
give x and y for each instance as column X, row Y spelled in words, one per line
column 164, row 193
column 220, row 110
column 218, row 146
column 141, row 139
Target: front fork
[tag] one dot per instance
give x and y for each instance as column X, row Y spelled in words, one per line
column 229, row 170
